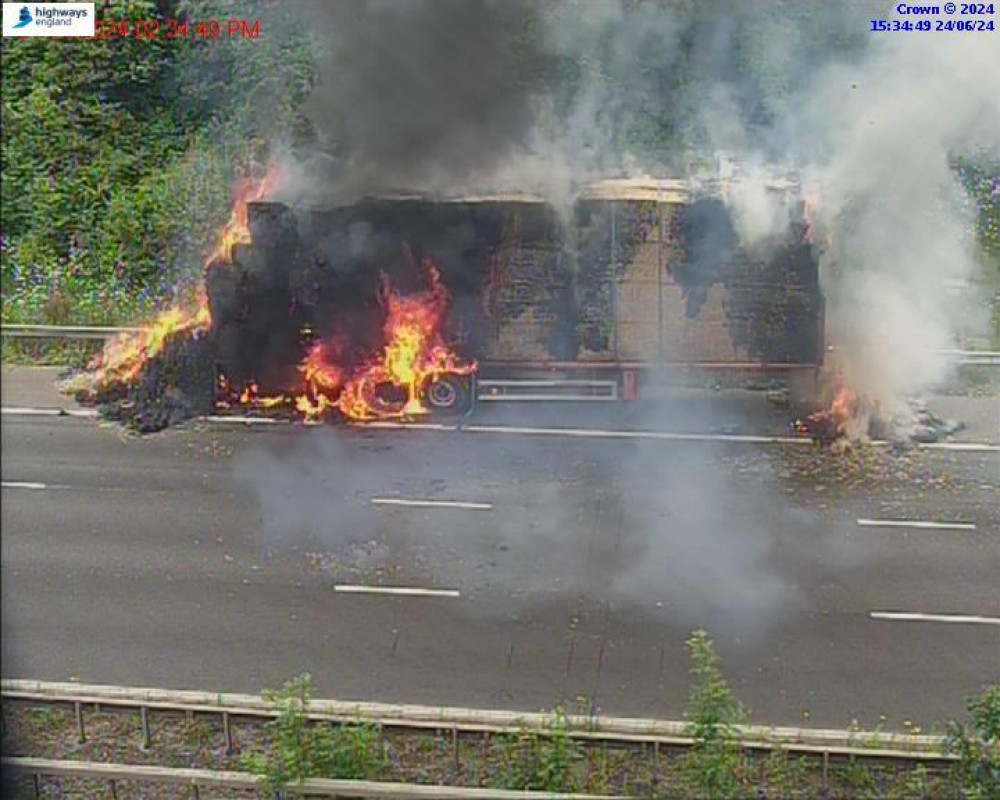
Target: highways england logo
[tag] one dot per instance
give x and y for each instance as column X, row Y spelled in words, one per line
column 48, row 19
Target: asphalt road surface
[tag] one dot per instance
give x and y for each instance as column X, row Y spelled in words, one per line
column 537, row 569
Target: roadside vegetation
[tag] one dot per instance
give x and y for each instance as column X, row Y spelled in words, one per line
column 49, row 352
column 291, row 747
column 119, row 157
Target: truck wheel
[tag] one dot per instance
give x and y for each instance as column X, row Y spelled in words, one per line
column 449, row 393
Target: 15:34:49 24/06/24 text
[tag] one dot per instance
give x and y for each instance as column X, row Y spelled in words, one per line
column 151, row 29
column 964, row 25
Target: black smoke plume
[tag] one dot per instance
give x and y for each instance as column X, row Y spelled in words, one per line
column 423, row 93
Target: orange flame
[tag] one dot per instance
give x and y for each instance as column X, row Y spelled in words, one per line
column 844, row 406
column 124, row 357
column 391, row 385
column 252, row 397
column 414, row 356
column 237, row 229
column 322, row 380
column 846, row 420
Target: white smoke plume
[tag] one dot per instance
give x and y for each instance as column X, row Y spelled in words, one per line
column 878, row 136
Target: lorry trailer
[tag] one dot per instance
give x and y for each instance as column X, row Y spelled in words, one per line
column 580, row 301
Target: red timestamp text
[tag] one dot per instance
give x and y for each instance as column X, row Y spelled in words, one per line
column 153, row 29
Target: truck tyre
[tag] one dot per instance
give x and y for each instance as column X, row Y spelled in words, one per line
column 449, row 394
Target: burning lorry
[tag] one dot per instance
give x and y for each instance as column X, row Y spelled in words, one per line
column 400, row 305
column 505, row 289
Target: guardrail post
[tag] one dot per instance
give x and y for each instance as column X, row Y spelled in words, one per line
column 146, row 738
column 826, row 771
column 194, row 794
column 114, row 789
column 656, row 764
column 81, row 733
column 486, row 745
column 36, row 785
column 454, row 748
column 228, row 731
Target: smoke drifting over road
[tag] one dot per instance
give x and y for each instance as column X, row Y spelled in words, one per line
column 650, row 525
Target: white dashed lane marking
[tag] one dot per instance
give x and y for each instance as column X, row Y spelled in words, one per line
column 405, row 591
column 18, row 411
column 906, row 616
column 396, row 501
column 916, row 523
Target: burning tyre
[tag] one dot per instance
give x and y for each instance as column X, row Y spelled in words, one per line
column 448, row 393
column 383, row 397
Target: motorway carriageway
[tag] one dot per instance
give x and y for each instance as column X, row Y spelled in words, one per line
column 496, row 571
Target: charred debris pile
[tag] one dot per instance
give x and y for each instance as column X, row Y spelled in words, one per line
column 174, row 385
column 850, row 418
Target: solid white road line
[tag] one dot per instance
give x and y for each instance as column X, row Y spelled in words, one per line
column 662, row 436
column 916, row 523
column 510, row 430
column 407, row 591
column 48, row 412
column 588, row 433
column 237, row 420
column 417, row 426
column 22, row 485
column 395, row 501
column 597, row 433
column 911, row 617
column 971, row 447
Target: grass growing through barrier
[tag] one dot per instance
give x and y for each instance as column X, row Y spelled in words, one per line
column 785, row 776
column 291, row 747
column 300, row 749
column 716, row 762
column 546, row 761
